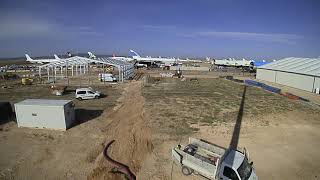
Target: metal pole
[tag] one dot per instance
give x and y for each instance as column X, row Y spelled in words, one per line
column 67, row 74
column 55, row 73
column 119, row 69
column 88, row 74
column 102, row 76
column 122, row 73
column 71, row 70
column 40, row 73
column 48, row 74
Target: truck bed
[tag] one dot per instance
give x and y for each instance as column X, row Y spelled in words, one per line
column 199, row 155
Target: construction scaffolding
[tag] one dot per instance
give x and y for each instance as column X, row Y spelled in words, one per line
column 80, row 66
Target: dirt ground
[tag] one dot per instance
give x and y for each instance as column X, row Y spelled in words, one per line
column 77, row 153
column 47, row 154
column 281, row 135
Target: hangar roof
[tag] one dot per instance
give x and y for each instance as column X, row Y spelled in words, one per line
column 307, row 66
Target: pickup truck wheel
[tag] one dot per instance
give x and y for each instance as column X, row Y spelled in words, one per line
column 186, row 171
column 96, row 97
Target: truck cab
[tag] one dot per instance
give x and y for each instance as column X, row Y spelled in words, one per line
column 235, row 166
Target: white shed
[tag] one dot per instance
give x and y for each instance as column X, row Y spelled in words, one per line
column 44, row 113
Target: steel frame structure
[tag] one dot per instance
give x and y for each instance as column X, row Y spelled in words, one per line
column 80, row 65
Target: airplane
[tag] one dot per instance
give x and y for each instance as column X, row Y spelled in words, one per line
column 121, row 58
column 193, row 60
column 41, row 61
column 92, row 56
column 56, row 57
column 148, row 59
column 232, row 62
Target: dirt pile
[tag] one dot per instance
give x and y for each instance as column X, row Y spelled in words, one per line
column 129, row 127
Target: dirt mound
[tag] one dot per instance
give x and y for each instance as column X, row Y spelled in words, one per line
column 129, row 127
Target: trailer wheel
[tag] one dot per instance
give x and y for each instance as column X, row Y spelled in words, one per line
column 186, row 171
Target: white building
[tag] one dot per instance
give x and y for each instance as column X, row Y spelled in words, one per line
column 43, row 113
column 301, row 73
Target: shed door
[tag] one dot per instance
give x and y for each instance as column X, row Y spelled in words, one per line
column 36, row 120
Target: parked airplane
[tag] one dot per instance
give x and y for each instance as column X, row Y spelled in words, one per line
column 166, row 61
column 56, row 57
column 232, row 62
column 121, row 58
column 92, row 56
column 41, row 61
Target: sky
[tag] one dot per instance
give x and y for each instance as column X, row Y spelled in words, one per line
column 259, row 29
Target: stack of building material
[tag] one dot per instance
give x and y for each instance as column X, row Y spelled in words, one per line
column 57, row 90
column 166, row 74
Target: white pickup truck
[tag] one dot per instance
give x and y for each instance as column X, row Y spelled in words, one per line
column 213, row 162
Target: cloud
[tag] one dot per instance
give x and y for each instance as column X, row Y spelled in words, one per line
column 282, row 38
column 84, row 30
column 253, row 36
column 163, row 28
column 15, row 27
column 24, row 27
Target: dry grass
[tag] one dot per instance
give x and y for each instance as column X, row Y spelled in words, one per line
column 175, row 104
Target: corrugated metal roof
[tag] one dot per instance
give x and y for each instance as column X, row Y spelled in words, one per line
column 44, row 102
column 308, row 66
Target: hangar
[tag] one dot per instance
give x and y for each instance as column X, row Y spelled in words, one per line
column 300, row 73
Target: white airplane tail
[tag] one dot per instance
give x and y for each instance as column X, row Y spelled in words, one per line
column 56, row 57
column 91, row 55
column 28, row 57
column 136, row 54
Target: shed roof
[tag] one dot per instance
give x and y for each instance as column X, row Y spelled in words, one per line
column 77, row 60
column 43, row 102
column 307, row 66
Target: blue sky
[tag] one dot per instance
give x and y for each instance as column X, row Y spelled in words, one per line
column 216, row 28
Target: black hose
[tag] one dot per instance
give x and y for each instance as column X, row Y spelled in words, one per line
column 121, row 167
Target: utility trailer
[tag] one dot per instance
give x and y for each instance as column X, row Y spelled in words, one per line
column 212, row 161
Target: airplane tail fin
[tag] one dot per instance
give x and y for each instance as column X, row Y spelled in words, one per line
column 136, row 55
column 56, row 57
column 28, row 57
column 91, row 55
